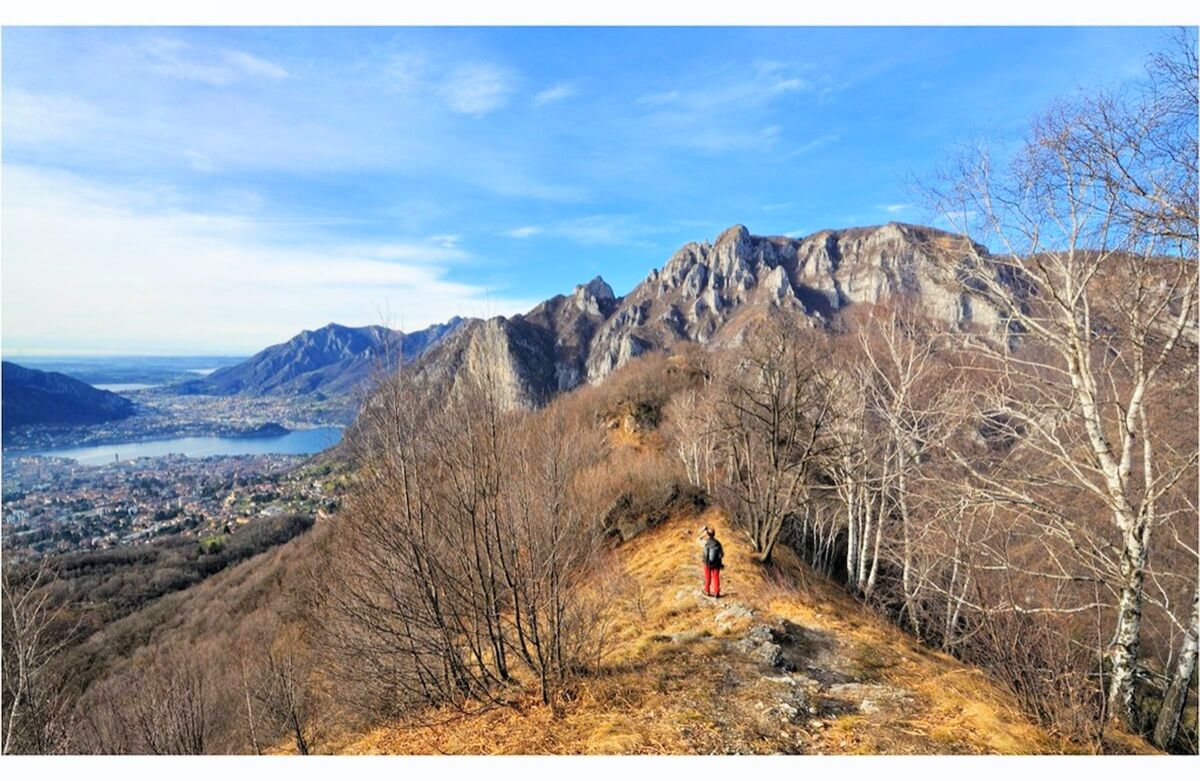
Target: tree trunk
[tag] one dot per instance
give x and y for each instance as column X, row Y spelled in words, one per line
column 1127, row 638
column 1171, row 712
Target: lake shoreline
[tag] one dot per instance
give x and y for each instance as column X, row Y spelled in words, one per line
column 298, row 441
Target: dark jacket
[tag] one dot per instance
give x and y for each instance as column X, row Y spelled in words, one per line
column 714, row 554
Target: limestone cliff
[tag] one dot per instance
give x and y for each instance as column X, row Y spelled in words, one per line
column 704, row 290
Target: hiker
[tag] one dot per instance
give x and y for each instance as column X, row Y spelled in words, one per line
column 714, row 556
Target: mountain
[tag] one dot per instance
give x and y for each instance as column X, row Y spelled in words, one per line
column 32, row 396
column 703, row 291
column 527, row 358
column 329, row 361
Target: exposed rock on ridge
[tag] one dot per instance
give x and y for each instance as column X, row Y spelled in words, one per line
column 703, row 291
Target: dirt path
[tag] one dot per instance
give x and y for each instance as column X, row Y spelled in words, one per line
column 771, row 667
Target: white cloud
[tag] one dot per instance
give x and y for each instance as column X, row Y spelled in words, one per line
column 816, row 143
column 255, row 66
column 553, row 94
column 895, row 208
column 602, row 229
column 180, row 60
column 763, row 83
column 593, row 229
column 43, row 119
column 199, row 161
column 406, row 71
column 719, row 110
column 445, row 240
column 477, row 89
column 778, row 77
column 91, row 267
column 523, row 232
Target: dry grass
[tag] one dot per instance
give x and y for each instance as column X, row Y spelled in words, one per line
column 671, row 681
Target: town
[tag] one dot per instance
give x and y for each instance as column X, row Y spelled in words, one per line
column 55, row 505
column 162, row 413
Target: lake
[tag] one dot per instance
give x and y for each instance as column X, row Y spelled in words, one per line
column 121, row 387
column 106, row 371
column 301, row 442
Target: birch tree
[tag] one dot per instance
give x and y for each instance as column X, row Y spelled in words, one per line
column 1094, row 276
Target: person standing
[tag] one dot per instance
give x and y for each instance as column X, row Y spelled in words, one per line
column 714, row 562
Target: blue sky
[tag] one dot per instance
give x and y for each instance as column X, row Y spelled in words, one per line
column 173, row 191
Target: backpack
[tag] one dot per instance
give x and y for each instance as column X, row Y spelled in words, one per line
column 713, row 554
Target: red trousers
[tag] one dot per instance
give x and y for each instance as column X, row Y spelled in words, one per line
column 712, row 581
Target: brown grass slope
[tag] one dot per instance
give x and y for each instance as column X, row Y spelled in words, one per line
column 769, row 668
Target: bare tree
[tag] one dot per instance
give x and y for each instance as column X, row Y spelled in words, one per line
column 776, row 409
column 463, row 550
column 693, row 432
column 285, row 692
column 36, row 705
column 170, row 706
column 1166, row 726
column 1096, row 222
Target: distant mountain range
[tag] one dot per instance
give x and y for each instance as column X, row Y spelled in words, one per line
column 706, row 291
column 327, row 362
column 31, row 396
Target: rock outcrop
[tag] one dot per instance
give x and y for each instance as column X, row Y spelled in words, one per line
column 708, row 291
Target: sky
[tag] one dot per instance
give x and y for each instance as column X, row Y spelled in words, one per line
column 216, row 190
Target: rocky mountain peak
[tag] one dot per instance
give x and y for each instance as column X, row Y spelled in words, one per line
column 705, row 287
column 590, row 298
column 733, row 235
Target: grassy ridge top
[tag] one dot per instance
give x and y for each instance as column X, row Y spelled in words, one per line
column 685, row 674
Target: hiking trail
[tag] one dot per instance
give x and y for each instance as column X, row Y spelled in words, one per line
column 783, row 662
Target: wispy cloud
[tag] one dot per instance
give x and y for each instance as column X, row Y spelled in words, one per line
column 477, row 89
column 41, row 119
column 594, row 229
column 524, row 232
column 405, row 71
column 218, row 67
column 723, row 111
column 198, row 161
column 554, row 93
column 446, row 240
column 895, row 208
column 761, row 83
column 816, row 143
column 598, row 229
column 255, row 66
column 229, row 283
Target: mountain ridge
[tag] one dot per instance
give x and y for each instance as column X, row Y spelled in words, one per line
column 697, row 295
column 329, row 361
column 33, row 396
column 783, row 663
column 699, row 291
